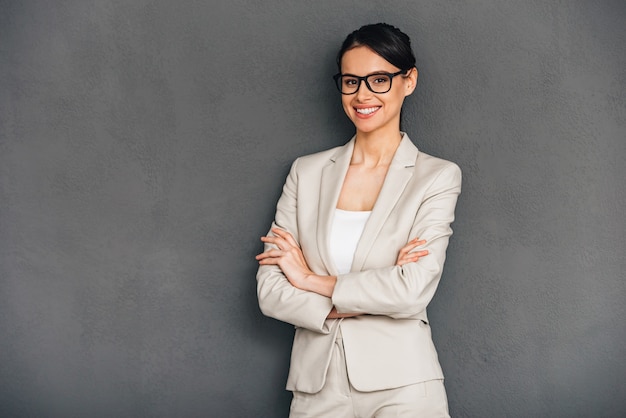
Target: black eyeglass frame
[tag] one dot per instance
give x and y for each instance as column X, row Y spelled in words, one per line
column 337, row 76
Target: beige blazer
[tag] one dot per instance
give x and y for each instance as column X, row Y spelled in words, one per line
column 392, row 346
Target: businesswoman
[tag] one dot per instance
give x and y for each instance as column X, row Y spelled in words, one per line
column 357, row 248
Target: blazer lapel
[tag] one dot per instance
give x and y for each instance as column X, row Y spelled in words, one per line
column 398, row 176
column 333, row 175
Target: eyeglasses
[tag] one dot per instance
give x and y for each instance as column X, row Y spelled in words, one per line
column 378, row 83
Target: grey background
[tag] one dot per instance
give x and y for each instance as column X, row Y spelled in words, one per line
column 143, row 146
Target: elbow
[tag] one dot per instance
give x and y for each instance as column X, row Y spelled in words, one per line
column 264, row 292
column 410, row 308
column 269, row 307
column 418, row 290
column 267, row 304
column 264, row 307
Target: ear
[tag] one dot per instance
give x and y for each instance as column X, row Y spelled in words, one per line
column 411, row 81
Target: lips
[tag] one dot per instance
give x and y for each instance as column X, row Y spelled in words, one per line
column 366, row 111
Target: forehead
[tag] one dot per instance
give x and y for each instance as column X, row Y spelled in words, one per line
column 362, row 60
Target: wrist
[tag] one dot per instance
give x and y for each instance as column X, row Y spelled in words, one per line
column 323, row 285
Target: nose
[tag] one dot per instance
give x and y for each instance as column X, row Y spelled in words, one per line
column 363, row 91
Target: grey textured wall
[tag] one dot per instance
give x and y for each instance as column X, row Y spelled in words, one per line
column 143, row 146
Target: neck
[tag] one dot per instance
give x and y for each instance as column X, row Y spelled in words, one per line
column 375, row 148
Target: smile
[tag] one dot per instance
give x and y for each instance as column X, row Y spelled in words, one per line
column 368, row 110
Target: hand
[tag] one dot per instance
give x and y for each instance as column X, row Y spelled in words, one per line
column 288, row 256
column 333, row 314
column 405, row 256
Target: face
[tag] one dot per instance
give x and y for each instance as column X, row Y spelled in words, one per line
column 371, row 112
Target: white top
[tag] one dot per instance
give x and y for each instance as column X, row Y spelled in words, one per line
column 345, row 233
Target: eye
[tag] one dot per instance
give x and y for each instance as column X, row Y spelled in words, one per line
column 379, row 79
column 350, row 81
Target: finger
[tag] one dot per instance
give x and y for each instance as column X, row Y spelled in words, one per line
column 411, row 244
column 269, row 262
column 411, row 257
column 406, row 261
column 281, row 233
column 406, row 249
column 292, row 241
column 269, row 254
column 277, row 241
column 415, row 242
column 286, row 236
column 407, row 258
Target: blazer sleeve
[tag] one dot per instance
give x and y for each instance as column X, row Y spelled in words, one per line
column 277, row 297
column 404, row 292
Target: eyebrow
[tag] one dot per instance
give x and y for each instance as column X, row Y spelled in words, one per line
column 366, row 75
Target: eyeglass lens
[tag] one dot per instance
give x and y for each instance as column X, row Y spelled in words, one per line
column 377, row 83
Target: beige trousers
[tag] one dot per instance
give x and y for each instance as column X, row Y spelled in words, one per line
column 339, row 399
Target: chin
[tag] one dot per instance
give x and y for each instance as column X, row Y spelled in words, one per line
column 365, row 126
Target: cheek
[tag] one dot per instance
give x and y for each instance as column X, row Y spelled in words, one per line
column 398, row 100
column 345, row 103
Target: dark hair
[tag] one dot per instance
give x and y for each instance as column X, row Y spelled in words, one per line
column 387, row 41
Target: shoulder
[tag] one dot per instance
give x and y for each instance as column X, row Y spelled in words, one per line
column 321, row 156
column 426, row 165
column 318, row 160
column 437, row 173
column 432, row 163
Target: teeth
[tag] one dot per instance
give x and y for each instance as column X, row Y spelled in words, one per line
column 367, row 111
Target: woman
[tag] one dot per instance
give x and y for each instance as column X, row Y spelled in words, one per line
column 357, row 248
